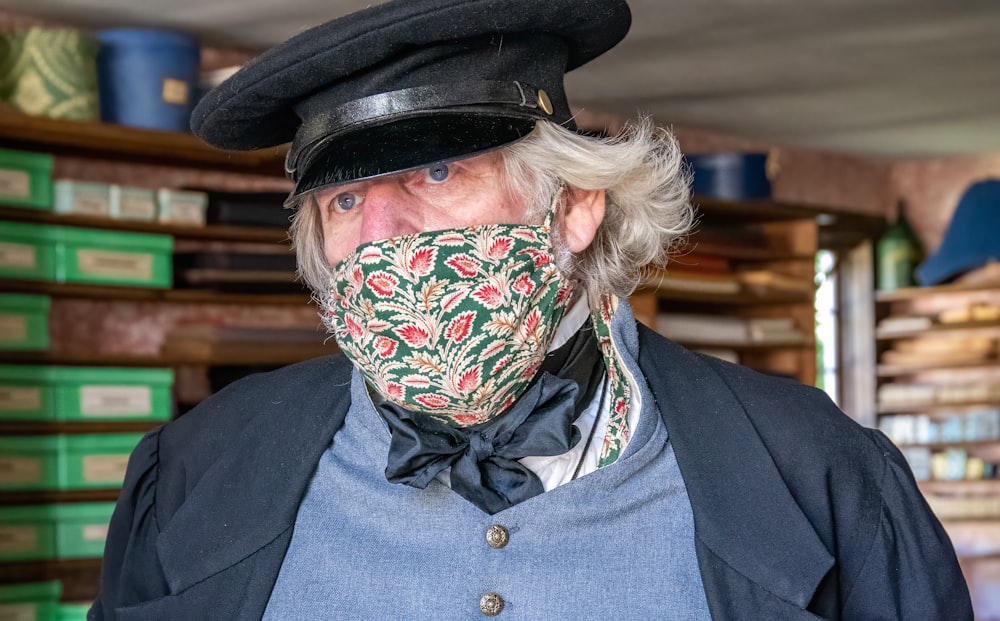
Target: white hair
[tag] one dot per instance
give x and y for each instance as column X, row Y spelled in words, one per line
column 647, row 210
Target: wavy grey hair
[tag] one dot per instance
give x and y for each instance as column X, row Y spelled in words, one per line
column 647, row 209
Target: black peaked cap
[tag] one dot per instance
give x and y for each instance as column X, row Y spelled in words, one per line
column 408, row 83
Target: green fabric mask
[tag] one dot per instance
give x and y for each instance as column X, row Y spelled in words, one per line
column 453, row 324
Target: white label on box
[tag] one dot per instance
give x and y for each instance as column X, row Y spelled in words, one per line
column 15, row 183
column 137, row 208
column 17, row 255
column 17, row 539
column 20, row 470
column 13, row 328
column 95, row 532
column 92, row 205
column 104, row 468
column 110, row 264
column 175, row 91
column 181, row 211
column 120, row 400
column 18, row 612
column 18, row 398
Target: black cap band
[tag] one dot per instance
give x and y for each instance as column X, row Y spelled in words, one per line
column 498, row 99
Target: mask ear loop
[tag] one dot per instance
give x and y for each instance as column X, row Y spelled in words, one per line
column 550, row 213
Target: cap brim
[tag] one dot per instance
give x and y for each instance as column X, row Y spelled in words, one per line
column 408, row 144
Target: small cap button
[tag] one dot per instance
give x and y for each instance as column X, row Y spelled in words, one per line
column 544, row 102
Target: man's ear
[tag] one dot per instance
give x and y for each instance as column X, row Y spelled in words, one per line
column 580, row 216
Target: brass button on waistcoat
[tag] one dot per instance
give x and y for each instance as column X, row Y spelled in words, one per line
column 497, row 536
column 491, row 604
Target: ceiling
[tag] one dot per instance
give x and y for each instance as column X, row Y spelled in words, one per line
column 876, row 77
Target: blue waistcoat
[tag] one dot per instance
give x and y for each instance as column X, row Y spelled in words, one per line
column 617, row 543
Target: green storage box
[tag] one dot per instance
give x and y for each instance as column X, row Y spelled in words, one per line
column 68, row 254
column 72, row 612
column 91, row 461
column 84, row 394
column 83, row 198
column 47, row 532
column 30, row 601
column 24, row 322
column 25, row 179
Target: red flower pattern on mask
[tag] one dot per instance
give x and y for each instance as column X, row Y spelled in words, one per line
column 353, row 327
column 460, row 327
column 413, row 335
column 523, row 285
column 385, row 346
column 541, row 258
column 464, row 265
column 422, row 261
column 470, row 380
column 383, row 284
column 489, row 295
column 499, row 248
column 395, row 391
column 432, row 401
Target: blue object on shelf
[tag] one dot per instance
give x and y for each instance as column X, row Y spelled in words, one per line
column 147, row 78
column 972, row 239
column 733, row 176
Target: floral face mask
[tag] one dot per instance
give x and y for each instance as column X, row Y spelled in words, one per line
column 453, row 324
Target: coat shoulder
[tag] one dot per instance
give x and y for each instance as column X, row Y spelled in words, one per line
column 190, row 445
column 273, row 393
column 788, row 416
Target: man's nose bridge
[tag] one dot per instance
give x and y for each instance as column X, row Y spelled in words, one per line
column 384, row 212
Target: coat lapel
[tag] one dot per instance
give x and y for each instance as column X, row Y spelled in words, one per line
column 750, row 532
column 251, row 494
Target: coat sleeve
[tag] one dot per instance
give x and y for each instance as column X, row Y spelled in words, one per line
column 130, row 571
column 910, row 571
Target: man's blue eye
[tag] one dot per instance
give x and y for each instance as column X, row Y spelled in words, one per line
column 437, row 173
column 346, row 201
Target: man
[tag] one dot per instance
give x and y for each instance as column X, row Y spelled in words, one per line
column 500, row 437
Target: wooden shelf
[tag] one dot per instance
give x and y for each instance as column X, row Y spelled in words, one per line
column 961, row 487
column 890, row 370
column 744, row 347
column 726, row 299
column 42, row 497
column 932, row 407
column 738, row 253
column 141, row 294
column 884, row 335
column 19, row 427
column 207, row 232
column 118, row 360
column 978, row 444
column 80, row 577
column 131, row 144
column 763, row 210
column 911, row 293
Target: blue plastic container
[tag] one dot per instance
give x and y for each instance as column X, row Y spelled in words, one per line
column 732, row 176
column 147, row 78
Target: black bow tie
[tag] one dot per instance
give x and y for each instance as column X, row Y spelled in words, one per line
column 483, row 458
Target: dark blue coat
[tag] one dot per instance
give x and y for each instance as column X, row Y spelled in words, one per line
column 799, row 512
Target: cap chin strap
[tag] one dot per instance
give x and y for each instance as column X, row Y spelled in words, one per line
column 487, row 98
